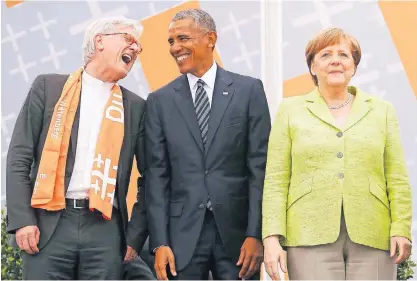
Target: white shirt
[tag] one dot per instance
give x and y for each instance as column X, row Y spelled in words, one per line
column 209, row 79
column 94, row 96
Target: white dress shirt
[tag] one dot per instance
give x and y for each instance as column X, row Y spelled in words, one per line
column 209, row 79
column 94, row 96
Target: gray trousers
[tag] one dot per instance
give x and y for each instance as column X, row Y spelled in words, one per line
column 83, row 246
column 341, row 260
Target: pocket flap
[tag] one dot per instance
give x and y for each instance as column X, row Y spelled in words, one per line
column 298, row 191
column 175, row 209
column 379, row 193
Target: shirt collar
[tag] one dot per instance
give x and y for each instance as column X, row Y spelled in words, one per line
column 209, row 77
column 91, row 81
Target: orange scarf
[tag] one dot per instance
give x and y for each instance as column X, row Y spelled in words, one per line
column 49, row 189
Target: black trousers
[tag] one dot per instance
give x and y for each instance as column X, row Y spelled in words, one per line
column 83, row 246
column 209, row 256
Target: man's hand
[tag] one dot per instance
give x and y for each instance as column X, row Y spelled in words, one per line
column 131, row 254
column 164, row 256
column 250, row 256
column 404, row 248
column 27, row 238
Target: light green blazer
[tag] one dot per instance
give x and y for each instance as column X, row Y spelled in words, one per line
column 314, row 168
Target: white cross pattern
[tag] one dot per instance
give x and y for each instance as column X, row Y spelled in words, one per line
column 4, row 153
column 53, row 55
column 5, row 131
column 366, row 78
column 135, row 70
column 323, row 14
column 97, row 13
column 4, row 119
column 96, row 187
column 23, row 68
column 99, row 161
column 13, row 37
column 43, row 25
column 234, row 25
column 105, row 179
column 365, row 59
column 152, row 8
column 395, row 67
column 246, row 56
column 374, row 90
column 376, row 16
column 141, row 92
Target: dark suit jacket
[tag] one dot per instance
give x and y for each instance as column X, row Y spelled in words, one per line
column 25, row 151
column 181, row 174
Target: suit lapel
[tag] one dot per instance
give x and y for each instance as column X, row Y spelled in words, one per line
column 72, row 149
column 126, row 142
column 360, row 108
column 219, row 104
column 318, row 107
column 184, row 102
column 74, row 130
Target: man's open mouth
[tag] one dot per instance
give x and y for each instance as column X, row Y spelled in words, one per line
column 126, row 58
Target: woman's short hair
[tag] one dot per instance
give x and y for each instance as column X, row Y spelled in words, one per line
column 329, row 37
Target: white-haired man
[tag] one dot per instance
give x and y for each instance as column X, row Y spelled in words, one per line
column 70, row 160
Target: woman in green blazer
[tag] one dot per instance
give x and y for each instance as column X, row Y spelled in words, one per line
column 336, row 191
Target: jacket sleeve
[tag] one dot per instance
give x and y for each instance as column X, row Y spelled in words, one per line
column 277, row 178
column 259, row 127
column 158, row 175
column 137, row 231
column 20, row 158
column 398, row 184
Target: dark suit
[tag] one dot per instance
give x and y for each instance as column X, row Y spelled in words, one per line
column 26, row 149
column 182, row 175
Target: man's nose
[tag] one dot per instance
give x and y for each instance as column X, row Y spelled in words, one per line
column 135, row 47
column 175, row 48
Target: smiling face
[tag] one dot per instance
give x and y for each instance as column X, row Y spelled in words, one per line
column 117, row 51
column 191, row 46
column 334, row 65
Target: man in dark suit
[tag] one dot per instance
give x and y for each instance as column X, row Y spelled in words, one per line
column 206, row 142
column 75, row 242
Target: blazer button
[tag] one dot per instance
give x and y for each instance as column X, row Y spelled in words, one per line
column 339, row 155
column 201, row 206
column 340, row 175
column 206, row 172
column 339, row 134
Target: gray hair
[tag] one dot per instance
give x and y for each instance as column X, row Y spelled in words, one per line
column 103, row 26
column 200, row 17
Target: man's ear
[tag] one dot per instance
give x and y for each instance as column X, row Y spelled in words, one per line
column 98, row 42
column 212, row 38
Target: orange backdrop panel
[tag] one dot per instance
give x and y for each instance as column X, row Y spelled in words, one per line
column 297, row 86
column 401, row 19
column 157, row 64
column 11, row 3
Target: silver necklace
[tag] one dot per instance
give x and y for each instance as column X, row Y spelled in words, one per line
column 343, row 104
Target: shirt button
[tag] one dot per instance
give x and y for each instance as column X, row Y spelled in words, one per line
column 339, row 134
column 201, row 206
column 340, row 175
column 339, row 155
